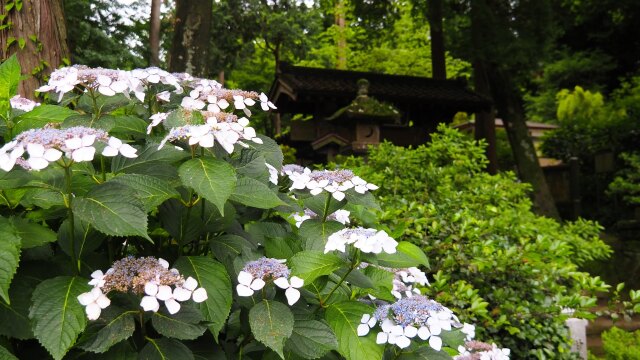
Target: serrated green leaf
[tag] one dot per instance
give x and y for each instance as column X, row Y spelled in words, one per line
column 104, row 104
column 17, row 314
column 213, row 179
column 113, row 326
column 407, row 255
column 270, row 150
column 9, row 79
column 367, row 199
column 86, row 239
column 150, row 190
column 128, row 125
column 185, row 226
column 424, row 352
column 251, row 163
column 56, row 314
column 315, row 233
column 151, row 161
column 344, row 318
column 251, row 192
column 318, row 204
column 32, row 234
column 14, row 178
column 282, row 248
column 112, row 209
column 311, row 339
column 119, row 351
column 40, row 116
column 229, row 246
column 6, row 354
column 272, row 324
column 310, row 265
column 260, row 231
column 165, row 349
column 183, row 325
column 453, row 338
column 212, row 276
column 9, row 256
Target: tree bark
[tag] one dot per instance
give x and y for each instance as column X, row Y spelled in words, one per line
column 340, row 15
column 154, row 33
column 438, row 63
column 485, row 127
column 190, row 47
column 40, row 40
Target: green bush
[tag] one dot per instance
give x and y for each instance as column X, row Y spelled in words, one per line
column 501, row 265
column 621, row 345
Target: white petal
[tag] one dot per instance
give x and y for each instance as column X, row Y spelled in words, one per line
column 164, row 263
column 164, row 293
column 424, row 333
column 93, row 311
column 200, row 295
column 296, row 282
column 257, row 284
column 292, row 295
column 244, row 290
column 172, row 306
column 243, row 121
column 150, row 303
column 245, row 278
column 86, row 298
column 109, row 151
column 118, row 86
column 151, row 289
column 181, row 294
column 98, row 274
column 223, row 104
column 83, row 154
column 106, row 91
column 103, row 301
column 372, row 322
column 35, row 150
column 264, row 106
column 88, row 140
column 249, row 102
column 37, row 163
column 52, row 155
column 397, row 330
column 363, row 330
column 115, row 142
column 403, row 342
column 410, row 331
column 190, row 284
column 435, row 342
column 104, row 80
column 382, row 338
column 281, row 282
column 365, row 318
column 338, row 195
column 316, row 191
column 206, row 141
column 128, row 151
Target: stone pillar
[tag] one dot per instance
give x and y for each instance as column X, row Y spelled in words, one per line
column 578, row 332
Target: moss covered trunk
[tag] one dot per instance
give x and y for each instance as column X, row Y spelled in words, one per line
column 190, row 46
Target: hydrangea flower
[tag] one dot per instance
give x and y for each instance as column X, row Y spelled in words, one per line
column 265, row 104
column 255, row 275
column 335, row 182
column 367, row 240
column 341, row 216
column 147, row 276
column 273, row 173
column 410, row 318
column 24, row 104
column 47, row 145
column 404, row 282
column 477, row 350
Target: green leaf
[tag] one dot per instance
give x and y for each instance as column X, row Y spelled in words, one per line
column 184, row 325
column 270, row 150
column 9, row 256
column 150, row 190
column 251, row 163
column 344, row 318
column 119, row 351
column 367, row 199
column 113, row 326
column 6, row 354
column 212, row 276
column 260, row 231
column 185, row 226
column 453, row 338
column 424, row 352
column 213, row 179
column 311, row 339
column 127, row 125
column 112, row 209
column 251, row 192
column 272, row 324
column 17, row 314
column 229, row 246
column 315, row 233
column 318, row 203
column 9, row 79
column 150, row 161
column 14, row 178
column 32, row 234
column 40, row 116
column 86, row 238
column 56, row 314
column 282, row 248
column 407, row 255
column 165, row 349
column 310, row 265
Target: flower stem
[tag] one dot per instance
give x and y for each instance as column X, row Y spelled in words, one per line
column 75, row 261
column 326, row 208
column 354, row 264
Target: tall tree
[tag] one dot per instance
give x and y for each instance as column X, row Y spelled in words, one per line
column 191, row 34
column 35, row 30
column 154, row 33
column 438, row 64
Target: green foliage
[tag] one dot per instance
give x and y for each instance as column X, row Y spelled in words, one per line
column 627, row 181
column 619, row 344
column 490, row 255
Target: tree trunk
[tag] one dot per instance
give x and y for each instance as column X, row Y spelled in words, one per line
column 40, row 40
column 509, row 103
column 154, row 33
column 485, row 127
column 341, row 56
column 190, row 47
column 438, row 64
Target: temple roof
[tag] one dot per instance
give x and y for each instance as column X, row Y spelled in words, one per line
column 297, row 89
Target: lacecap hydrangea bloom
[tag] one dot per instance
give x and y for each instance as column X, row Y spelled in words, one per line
column 477, row 350
column 410, row 319
column 19, row 103
column 367, row 240
column 255, row 275
column 47, row 145
column 341, row 216
column 335, row 182
column 148, row 277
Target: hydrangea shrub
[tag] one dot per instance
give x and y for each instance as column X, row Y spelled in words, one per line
column 142, row 216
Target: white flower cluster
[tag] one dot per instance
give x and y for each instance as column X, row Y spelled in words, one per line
column 367, row 240
column 410, row 318
column 148, row 276
column 405, row 280
column 335, row 182
column 24, row 104
column 477, row 350
column 107, row 82
column 255, row 274
column 341, row 216
column 49, row 144
column 226, row 133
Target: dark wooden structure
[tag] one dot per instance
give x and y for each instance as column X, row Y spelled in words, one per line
column 331, row 98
